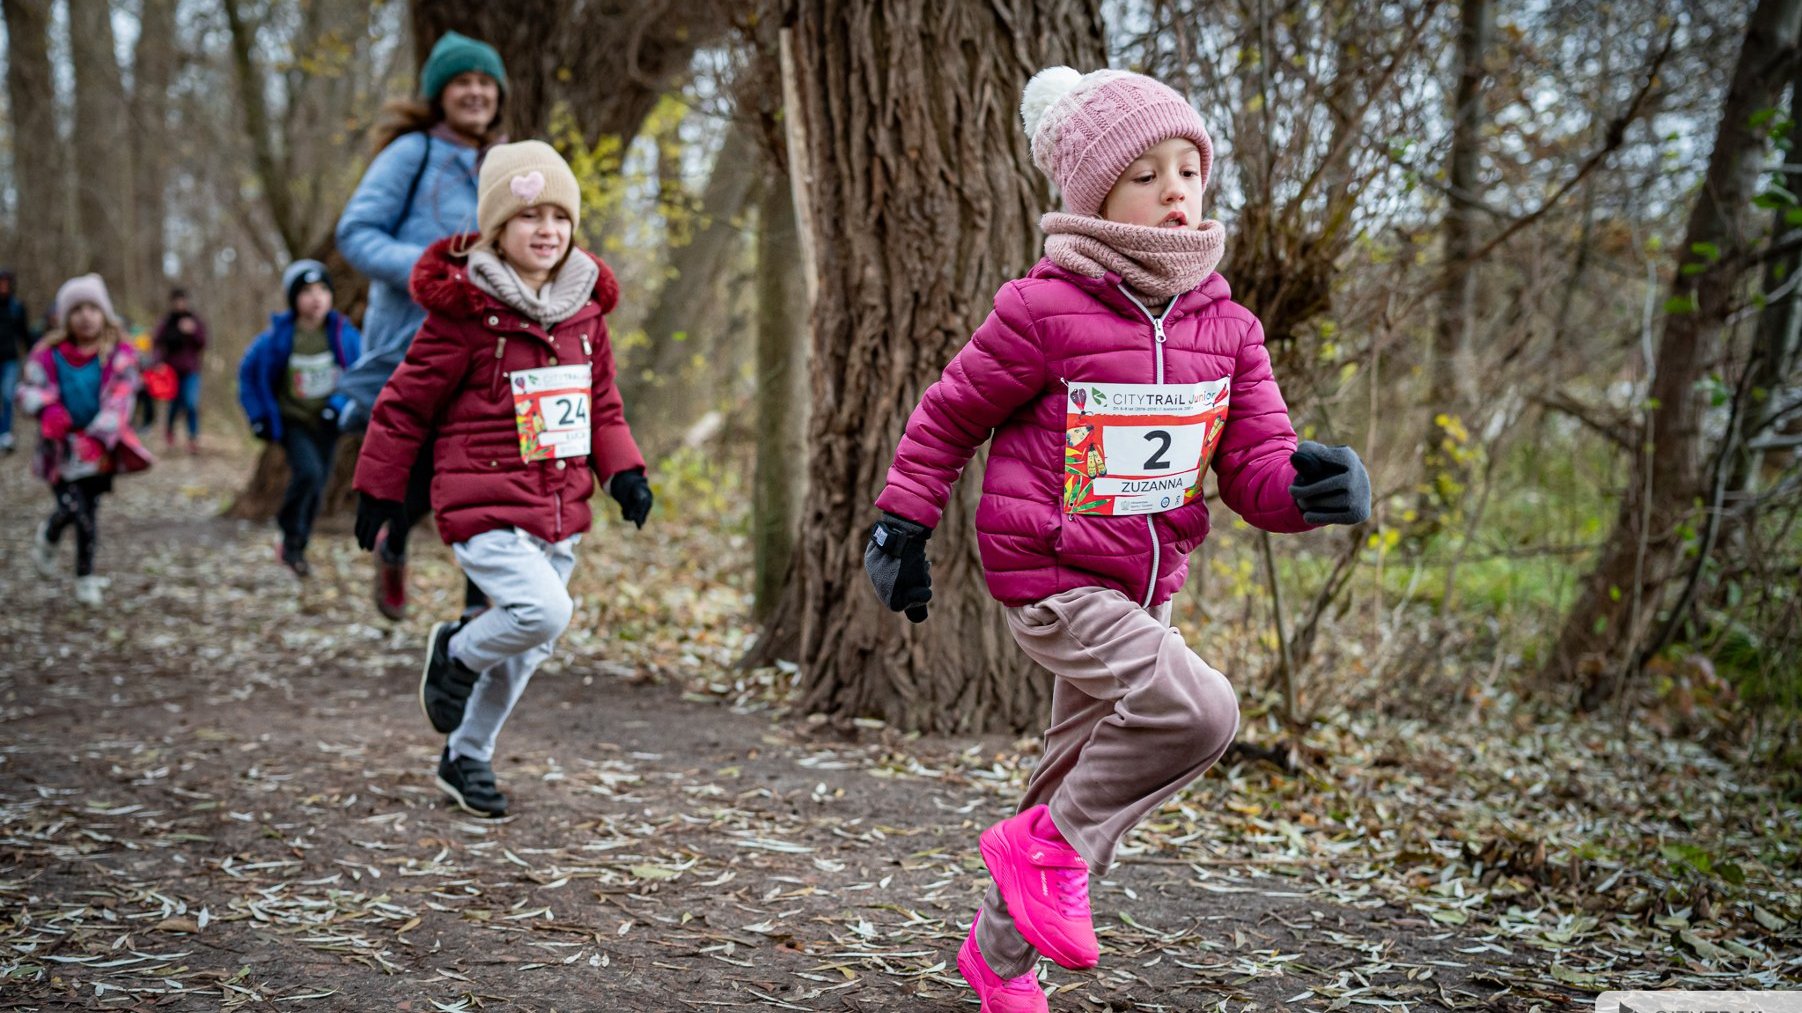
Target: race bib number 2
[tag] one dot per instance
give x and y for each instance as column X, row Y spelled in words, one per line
column 1139, row 448
column 551, row 406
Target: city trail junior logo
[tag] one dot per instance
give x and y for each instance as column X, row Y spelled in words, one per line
column 1699, row 1002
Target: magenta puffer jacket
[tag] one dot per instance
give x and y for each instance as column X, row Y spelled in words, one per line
column 1051, row 332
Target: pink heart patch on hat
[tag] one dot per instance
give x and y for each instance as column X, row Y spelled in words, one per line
column 527, row 187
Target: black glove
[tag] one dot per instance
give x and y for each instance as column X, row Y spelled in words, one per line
column 260, row 430
column 1331, row 485
column 329, row 416
column 895, row 559
column 633, row 494
column 372, row 514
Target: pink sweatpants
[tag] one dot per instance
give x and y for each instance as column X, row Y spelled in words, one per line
column 1135, row 717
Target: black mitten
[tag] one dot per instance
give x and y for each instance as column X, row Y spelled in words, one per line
column 1331, row 485
column 372, row 515
column 632, row 492
column 895, row 559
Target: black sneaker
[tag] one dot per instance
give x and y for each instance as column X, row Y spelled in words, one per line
column 470, row 783
column 295, row 559
column 445, row 684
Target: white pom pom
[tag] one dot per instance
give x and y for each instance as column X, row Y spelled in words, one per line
column 1042, row 92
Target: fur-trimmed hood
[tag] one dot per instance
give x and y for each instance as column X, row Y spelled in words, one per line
column 440, row 283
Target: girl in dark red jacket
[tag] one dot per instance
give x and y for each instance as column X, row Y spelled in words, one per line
column 1111, row 379
column 513, row 372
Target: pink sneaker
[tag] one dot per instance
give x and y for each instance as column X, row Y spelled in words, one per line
column 998, row 994
column 1045, row 884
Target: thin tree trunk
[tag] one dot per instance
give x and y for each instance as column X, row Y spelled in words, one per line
column 924, row 202
column 152, row 71
column 684, row 324
column 270, row 160
column 101, row 170
column 38, row 153
column 1620, row 598
column 1774, row 348
column 1449, row 389
column 781, row 396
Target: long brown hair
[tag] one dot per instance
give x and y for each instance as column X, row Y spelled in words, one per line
column 111, row 337
column 404, row 116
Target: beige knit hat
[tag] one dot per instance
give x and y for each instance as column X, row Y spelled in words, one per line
column 517, row 176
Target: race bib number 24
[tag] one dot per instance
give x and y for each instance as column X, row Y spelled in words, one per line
column 551, row 406
column 1139, row 448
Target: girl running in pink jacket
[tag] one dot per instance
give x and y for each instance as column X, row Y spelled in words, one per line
column 1112, row 377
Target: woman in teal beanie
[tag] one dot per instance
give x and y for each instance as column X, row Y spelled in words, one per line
column 420, row 188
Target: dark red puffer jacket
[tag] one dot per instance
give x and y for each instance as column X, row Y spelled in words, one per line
column 454, row 383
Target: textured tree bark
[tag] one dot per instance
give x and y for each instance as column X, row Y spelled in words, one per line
column 610, row 60
column 924, row 201
column 781, row 477
column 45, row 211
column 261, row 497
column 1619, row 599
column 101, row 167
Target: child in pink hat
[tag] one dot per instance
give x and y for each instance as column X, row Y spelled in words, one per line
column 1109, row 380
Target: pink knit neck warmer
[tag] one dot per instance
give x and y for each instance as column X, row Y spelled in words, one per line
column 1160, row 263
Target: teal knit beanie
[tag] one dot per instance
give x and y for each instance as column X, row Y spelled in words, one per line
column 455, row 54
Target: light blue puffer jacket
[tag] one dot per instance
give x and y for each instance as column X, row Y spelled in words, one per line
column 382, row 236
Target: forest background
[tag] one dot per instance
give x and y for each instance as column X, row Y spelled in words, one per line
column 1535, row 260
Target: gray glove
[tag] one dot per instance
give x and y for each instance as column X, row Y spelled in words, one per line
column 1331, row 485
column 895, row 559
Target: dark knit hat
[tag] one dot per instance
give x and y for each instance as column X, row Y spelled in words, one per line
column 456, row 53
column 302, row 273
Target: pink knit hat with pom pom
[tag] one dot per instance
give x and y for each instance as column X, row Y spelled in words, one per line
column 1087, row 128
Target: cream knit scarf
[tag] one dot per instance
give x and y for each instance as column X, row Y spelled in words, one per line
column 1159, row 263
column 556, row 302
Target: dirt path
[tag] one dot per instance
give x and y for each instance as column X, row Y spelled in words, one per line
column 216, row 793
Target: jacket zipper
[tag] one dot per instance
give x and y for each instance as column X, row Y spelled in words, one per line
column 500, row 376
column 1151, row 528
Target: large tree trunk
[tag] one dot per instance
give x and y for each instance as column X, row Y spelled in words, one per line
column 38, row 153
column 1449, row 391
column 609, row 60
column 1619, row 599
column 781, row 396
column 152, row 71
column 924, row 201
column 261, row 497
column 101, row 168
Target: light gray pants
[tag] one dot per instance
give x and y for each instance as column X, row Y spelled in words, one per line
column 526, row 580
column 1135, row 717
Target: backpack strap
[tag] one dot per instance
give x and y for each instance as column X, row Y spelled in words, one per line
column 406, row 207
